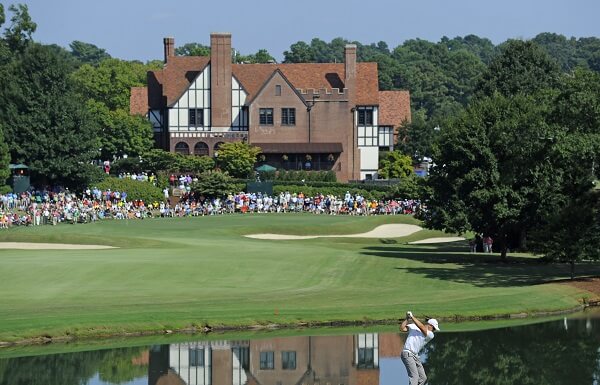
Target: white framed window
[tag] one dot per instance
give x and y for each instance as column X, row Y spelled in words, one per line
column 368, row 137
column 386, row 136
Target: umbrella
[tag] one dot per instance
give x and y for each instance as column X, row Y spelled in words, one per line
column 265, row 168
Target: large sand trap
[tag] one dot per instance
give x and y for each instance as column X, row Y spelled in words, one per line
column 383, row 231
column 50, row 246
column 436, row 240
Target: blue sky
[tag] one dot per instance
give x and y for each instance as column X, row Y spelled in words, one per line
column 133, row 29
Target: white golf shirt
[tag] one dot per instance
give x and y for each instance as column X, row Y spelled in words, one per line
column 416, row 339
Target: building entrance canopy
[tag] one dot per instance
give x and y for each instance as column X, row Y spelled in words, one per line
column 299, row 148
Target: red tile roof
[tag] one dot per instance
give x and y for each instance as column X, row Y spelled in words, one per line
column 311, row 75
column 171, row 378
column 138, row 101
column 167, row 85
column 394, row 108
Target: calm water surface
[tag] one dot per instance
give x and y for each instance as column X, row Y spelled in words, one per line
column 557, row 352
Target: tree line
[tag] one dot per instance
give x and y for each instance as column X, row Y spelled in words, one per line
column 61, row 109
column 518, row 162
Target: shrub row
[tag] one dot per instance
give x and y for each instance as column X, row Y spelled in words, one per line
column 298, row 175
column 145, row 191
column 158, row 160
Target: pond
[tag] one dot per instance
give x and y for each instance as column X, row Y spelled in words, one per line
column 556, row 352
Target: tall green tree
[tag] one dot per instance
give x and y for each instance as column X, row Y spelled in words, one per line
column 120, row 133
column 395, row 165
column 4, row 161
column 570, row 231
column 88, row 53
column 158, row 160
column 492, row 173
column 47, row 127
column 19, row 33
column 107, row 89
column 193, row 49
column 561, row 49
column 261, row 56
column 483, row 48
column 110, row 82
column 418, row 137
column 237, row 158
column 300, row 52
column 441, row 80
column 213, row 184
column 576, row 109
column 570, row 53
column 521, row 67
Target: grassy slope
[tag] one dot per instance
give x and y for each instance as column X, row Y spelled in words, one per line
column 170, row 273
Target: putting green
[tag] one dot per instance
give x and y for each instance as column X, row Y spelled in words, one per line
column 176, row 273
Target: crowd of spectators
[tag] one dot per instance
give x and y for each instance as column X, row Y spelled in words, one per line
column 141, row 177
column 183, row 182
column 50, row 208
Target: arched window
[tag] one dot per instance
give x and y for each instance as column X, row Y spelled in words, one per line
column 218, row 145
column 182, row 148
column 200, row 149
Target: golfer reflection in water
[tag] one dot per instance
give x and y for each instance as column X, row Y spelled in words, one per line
column 418, row 335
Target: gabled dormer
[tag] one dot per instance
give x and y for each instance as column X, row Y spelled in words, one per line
column 278, row 111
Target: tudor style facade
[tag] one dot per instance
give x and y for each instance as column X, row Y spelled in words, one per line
column 311, row 116
column 348, row 359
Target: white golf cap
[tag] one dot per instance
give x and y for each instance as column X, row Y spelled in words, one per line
column 433, row 322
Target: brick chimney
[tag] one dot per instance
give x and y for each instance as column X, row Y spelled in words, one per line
column 169, row 44
column 350, row 70
column 220, row 79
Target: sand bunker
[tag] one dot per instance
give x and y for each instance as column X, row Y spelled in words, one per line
column 383, row 231
column 50, row 246
column 436, row 240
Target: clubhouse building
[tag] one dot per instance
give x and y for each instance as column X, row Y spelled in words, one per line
column 321, row 360
column 309, row 116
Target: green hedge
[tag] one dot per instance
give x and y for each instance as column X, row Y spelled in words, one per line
column 298, row 175
column 145, row 191
column 158, row 161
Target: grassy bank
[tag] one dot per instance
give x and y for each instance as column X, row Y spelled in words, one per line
column 177, row 273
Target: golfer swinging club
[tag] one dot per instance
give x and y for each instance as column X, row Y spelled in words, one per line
column 418, row 336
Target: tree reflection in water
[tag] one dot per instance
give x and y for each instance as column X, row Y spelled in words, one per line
column 114, row 366
column 548, row 353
